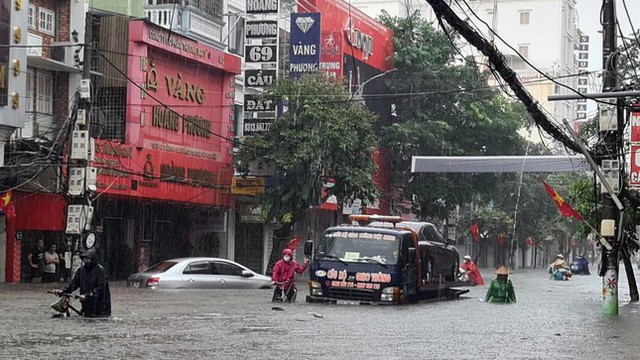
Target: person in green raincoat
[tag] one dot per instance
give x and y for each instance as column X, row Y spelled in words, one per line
column 501, row 288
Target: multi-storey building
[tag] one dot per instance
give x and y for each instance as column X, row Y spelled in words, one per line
column 544, row 32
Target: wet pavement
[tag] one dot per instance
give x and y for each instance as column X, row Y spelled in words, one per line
column 552, row 319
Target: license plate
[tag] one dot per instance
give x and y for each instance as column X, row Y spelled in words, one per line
column 346, row 302
column 136, row 284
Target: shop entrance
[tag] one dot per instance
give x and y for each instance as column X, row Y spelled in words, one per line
column 249, row 245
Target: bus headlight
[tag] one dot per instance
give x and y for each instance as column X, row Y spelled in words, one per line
column 315, row 288
column 389, row 293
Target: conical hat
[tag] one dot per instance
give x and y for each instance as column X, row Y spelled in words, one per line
column 502, row 271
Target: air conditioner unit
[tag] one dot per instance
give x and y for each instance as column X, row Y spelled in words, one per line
column 63, row 51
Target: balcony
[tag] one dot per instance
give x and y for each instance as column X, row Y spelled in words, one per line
column 188, row 21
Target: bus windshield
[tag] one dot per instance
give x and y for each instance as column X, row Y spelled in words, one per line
column 351, row 246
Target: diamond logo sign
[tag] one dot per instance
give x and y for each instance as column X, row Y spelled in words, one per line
column 304, row 23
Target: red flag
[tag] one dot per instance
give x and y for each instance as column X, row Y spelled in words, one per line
column 528, row 242
column 475, row 233
column 293, row 243
column 565, row 209
column 6, row 205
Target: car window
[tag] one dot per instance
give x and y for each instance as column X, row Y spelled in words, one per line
column 432, row 234
column 197, row 268
column 160, row 267
column 225, row 268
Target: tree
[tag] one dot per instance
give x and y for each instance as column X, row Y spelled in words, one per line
column 453, row 113
column 322, row 133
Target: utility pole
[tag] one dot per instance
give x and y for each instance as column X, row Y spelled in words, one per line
column 80, row 175
column 611, row 132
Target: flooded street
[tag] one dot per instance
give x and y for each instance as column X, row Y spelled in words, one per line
column 551, row 319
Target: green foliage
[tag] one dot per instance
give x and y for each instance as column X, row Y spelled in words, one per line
column 322, row 133
column 456, row 114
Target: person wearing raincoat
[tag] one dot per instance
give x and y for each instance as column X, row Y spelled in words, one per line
column 284, row 273
column 91, row 279
column 472, row 271
column 501, row 289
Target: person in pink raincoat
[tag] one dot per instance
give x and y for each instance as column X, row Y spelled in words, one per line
column 284, row 273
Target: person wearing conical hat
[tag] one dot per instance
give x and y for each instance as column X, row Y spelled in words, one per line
column 501, row 289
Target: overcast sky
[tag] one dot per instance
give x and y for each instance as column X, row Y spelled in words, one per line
column 589, row 23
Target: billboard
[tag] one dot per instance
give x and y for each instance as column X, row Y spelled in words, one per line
column 305, row 43
column 634, row 174
column 635, row 126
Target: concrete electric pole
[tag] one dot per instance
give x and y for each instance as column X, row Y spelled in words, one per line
column 610, row 126
column 80, row 175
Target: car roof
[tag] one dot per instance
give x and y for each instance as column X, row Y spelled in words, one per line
column 366, row 228
column 196, row 258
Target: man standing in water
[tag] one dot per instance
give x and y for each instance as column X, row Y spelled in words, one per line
column 91, row 279
column 501, row 288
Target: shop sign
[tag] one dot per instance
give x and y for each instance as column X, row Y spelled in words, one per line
column 635, row 126
column 331, row 54
column 261, row 29
column 634, row 175
column 170, row 39
column 250, row 214
column 161, row 175
column 305, row 43
column 262, row 6
column 247, row 186
column 257, row 126
column 259, row 78
column 256, row 103
column 359, row 39
column 260, row 53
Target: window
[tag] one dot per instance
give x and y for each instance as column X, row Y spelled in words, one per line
column 32, row 17
column 212, row 8
column 47, row 20
column 524, row 51
column 236, row 35
column 44, row 92
column 432, row 234
column 225, row 268
column 29, row 92
column 524, row 17
column 197, row 268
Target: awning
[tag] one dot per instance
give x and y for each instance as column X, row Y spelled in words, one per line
column 498, row 164
column 50, row 64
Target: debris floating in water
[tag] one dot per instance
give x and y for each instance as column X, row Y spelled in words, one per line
column 276, row 308
column 316, row 314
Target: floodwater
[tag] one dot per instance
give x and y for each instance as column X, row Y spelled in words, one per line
column 552, row 319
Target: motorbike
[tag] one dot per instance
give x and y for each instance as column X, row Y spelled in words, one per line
column 284, row 292
column 561, row 274
column 63, row 305
column 580, row 266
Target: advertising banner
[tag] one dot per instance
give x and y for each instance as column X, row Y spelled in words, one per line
column 331, row 53
column 634, row 174
column 305, row 44
column 635, row 126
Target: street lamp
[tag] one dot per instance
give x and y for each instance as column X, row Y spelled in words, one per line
column 357, row 95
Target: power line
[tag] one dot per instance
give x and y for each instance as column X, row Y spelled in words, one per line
column 633, row 28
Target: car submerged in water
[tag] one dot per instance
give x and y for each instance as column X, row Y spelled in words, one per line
column 199, row 273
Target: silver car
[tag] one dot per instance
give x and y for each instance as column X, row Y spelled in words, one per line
column 199, row 273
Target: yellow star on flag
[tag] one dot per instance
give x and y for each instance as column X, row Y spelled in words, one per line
column 6, row 198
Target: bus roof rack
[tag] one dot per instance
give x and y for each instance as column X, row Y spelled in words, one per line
column 366, row 219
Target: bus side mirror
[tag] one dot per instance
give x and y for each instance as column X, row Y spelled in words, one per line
column 308, row 248
column 411, row 255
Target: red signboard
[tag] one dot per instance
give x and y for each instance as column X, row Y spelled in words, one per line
column 163, row 175
column 179, row 122
column 635, row 126
column 360, row 36
column 634, row 175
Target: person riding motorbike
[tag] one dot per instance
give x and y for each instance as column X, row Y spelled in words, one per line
column 559, row 268
column 91, row 279
column 284, row 273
